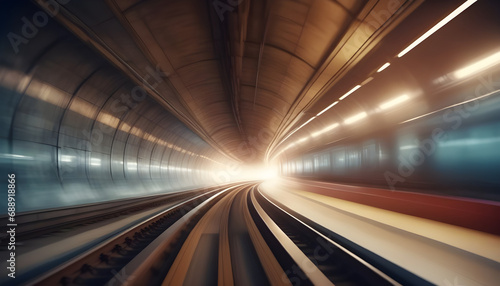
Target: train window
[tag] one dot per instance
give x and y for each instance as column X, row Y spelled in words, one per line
column 317, row 164
column 370, row 155
column 353, row 159
column 298, row 166
column 308, row 165
column 325, row 161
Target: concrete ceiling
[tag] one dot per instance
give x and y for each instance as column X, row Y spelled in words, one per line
column 241, row 74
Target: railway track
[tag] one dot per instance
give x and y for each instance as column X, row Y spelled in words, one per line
column 321, row 261
column 39, row 223
column 230, row 236
column 321, row 257
column 221, row 250
column 102, row 263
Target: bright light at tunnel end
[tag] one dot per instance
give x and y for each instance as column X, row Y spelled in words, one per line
column 262, row 173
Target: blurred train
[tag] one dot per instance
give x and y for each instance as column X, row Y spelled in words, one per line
column 455, row 151
column 442, row 138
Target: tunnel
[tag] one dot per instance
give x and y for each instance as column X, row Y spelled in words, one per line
column 250, row 142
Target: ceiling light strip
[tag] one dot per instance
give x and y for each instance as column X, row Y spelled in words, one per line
column 478, row 66
column 355, row 118
column 330, row 106
column 350, row 91
column 394, row 101
column 383, row 67
column 438, row 26
column 310, row 119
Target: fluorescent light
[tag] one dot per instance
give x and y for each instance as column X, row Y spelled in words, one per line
column 20, row 157
column 317, row 133
column 66, row 158
column 408, row 147
column 326, row 129
column 394, row 101
column 478, row 66
column 131, row 165
column 95, row 162
column 355, row 118
column 302, row 140
column 290, row 134
column 330, row 106
column 438, row 26
column 350, row 91
column 310, row 119
column 383, row 67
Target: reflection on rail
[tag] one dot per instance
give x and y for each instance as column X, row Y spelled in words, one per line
column 231, row 235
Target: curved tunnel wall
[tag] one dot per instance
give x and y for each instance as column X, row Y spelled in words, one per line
column 74, row 130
